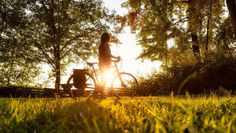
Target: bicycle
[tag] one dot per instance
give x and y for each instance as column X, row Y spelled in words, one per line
column 122, row 83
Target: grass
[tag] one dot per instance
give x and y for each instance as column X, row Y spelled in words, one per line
column 143, row 114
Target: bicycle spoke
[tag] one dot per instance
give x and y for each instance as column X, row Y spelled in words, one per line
column 88, row 78
column 126, row 83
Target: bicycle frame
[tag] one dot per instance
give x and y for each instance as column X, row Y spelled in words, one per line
column 93, row 71
column 117, row 72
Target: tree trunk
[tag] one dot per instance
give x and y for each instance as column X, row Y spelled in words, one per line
column 9, row 76
column 193, row 24
column 57, row 54
column 195, row 46
column 166, row 53
column 227, row 47
column 231, row 4
column 208, row 26
column 58, row 78
column 58, row 68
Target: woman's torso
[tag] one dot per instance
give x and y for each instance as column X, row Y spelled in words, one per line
column 104, row 55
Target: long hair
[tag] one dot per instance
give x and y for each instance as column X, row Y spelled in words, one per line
column 105, row 38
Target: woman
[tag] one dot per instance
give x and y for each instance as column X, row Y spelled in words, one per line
column 105, row 58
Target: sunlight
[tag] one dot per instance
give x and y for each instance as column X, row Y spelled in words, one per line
column 129, row 51
column 171, row 43
column 109, row 76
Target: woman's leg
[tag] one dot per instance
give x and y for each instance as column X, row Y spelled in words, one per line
column 103, row 81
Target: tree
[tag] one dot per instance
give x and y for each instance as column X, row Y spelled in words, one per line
column 194, row 21
column 17, row 66
column 57, row 28
column 192, row 24
column 231, row 4
column 152, row 21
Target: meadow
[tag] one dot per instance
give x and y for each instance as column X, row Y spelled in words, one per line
column 139, row 114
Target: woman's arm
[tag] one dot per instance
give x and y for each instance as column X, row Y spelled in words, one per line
column 115, row 57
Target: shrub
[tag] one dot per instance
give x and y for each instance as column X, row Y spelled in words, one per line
column 195, row 79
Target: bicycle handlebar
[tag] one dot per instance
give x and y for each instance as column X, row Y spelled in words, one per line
column 117, row 60
column 93, row 63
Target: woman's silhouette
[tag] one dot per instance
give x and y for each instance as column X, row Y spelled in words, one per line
column 105, row 58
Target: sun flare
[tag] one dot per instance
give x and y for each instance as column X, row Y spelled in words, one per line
column 108, row 77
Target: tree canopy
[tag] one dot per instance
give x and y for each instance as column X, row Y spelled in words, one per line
column 198, row 28
column 55, row 32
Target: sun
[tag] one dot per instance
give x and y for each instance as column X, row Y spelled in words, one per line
column 129, row 50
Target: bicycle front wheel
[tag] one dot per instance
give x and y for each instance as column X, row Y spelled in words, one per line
column 90, row 86
column 125, row 83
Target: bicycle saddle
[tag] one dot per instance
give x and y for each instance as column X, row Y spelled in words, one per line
column 91, row 63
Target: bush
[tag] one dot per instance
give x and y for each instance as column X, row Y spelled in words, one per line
column 195, row 79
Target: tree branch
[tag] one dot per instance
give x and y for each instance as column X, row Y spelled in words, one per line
column 63, row 55
column 68, row 42
column 181, row 20
column 50, row 60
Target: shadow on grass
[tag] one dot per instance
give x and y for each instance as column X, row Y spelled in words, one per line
column 128, row 115
column 60, row 116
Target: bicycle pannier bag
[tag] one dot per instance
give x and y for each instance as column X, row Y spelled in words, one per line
column 79, row 78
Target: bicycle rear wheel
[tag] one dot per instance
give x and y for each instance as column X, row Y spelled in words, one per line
column 124, row 84
column 90, row 86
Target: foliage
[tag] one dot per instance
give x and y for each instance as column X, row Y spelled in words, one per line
column 18, row 72
column 195, row 27
column 54, row 32
column 217, row 75
column 73, row 25
column 17, row 65
column 62, row 29
column 146, row 114
column 151, row 20
column 202, row 57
